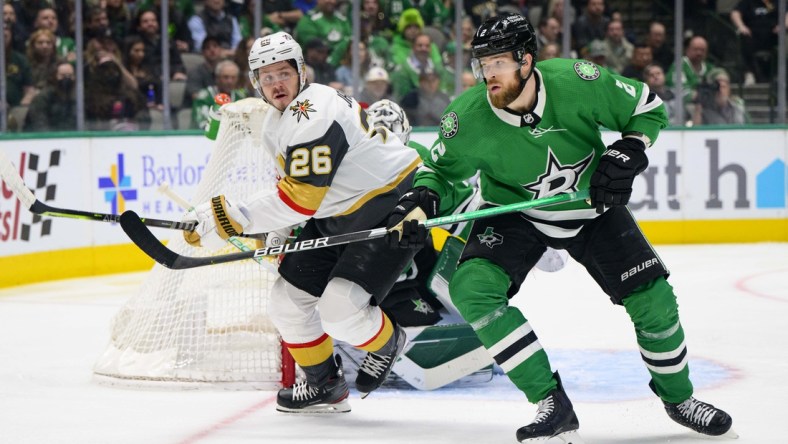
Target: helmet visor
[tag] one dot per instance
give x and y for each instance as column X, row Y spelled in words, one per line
column 487, row 67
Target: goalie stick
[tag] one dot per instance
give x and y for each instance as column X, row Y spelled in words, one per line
column 147, row 242
column 14, row 181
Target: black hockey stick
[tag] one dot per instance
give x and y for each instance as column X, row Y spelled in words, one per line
column 137, row 231
column 10, row 176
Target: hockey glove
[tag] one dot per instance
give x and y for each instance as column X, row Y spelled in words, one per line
column 217, row 220
column 611, row 183
column 405, row 231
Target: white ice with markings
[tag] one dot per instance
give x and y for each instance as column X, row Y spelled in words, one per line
column 733, row 301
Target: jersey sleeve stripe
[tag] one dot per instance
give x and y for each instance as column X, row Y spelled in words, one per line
column 384, row 189
column 644, row 105
column 301, row 197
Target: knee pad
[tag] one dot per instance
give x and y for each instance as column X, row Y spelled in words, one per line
column 293, row 312
column 346, row 314
column 478, row 287
column 653, row 307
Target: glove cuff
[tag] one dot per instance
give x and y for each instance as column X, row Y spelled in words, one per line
column 230, row 221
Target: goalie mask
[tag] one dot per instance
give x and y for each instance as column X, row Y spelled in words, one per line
column 388, row 114
column 498, row 35
column 272, row 49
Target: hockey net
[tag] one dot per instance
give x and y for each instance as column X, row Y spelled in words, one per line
column 207, row 326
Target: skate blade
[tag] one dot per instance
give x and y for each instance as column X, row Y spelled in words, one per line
column 571, row 437
column 338, row 407
column 730, row 434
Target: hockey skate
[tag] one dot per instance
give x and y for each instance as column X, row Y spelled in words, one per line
column 328, row 396
column 377, row 366
column 555, row 418
column 699, row 416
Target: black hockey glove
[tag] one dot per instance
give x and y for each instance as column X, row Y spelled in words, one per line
column 405, row 231
column 611, row 183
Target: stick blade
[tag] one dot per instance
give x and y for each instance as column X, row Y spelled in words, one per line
column 146, row 241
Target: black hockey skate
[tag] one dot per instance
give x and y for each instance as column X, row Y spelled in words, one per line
column 699, row 416
column 328, row 396
column 555, row 419
column 377, row 366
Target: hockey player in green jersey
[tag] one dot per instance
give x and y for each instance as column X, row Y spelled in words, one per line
column 533, row 132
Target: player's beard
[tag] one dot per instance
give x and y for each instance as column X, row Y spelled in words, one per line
column 511, row 91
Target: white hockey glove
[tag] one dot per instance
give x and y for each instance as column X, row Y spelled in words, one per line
column 217, row 220
column 552, row 260
column 278, row 237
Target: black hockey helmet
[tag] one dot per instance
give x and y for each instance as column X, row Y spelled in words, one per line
column 504, row 33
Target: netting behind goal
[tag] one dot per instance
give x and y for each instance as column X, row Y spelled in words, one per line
column 206, row 326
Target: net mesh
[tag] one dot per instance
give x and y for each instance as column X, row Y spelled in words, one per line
column 206, row 325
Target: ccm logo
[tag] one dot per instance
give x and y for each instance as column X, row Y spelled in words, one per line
column 617, row 154
column 635, row 270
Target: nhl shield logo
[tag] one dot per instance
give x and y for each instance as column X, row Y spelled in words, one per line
column 450, row 124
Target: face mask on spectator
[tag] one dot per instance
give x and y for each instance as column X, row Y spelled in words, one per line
column 65, row 84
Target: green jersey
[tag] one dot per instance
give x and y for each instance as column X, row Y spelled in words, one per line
column 552, row 149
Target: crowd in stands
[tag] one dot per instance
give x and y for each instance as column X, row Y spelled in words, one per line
column 407, row 54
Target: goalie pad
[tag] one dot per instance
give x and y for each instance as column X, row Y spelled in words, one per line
column 439, row 278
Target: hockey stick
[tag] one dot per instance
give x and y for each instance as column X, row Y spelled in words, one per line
column 164, row 188
column 16, row 183
column 147, row 242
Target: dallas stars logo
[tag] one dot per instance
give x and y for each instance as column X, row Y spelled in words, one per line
column 302, row 109
column 421, row 306
column 490, row 238
column 558, row 178
column 449, row 125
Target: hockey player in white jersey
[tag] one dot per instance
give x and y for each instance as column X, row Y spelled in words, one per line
column 338, row 174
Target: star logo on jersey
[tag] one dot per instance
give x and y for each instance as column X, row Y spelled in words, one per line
column 302, row 109
column 558, row 178
column 490, row 238
column 450, row 124
column 421, row 306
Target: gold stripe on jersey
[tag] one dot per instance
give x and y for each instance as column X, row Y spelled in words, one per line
column 384, row 189
column 301, row 197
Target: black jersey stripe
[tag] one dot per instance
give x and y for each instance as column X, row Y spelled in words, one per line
column 515, row 348
column 336, row 140
column 665, row 362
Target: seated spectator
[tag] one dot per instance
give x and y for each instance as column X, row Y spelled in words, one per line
column 201, row 77
column 227, row 78
column 714, row 104
column 376, row 86
column 618, row 50
column 179, row 12
column 96, row 24
column 468, row 80
column 65, row 48
column 241, row 59
column 42, row 57
column 316, row 56
column 374, row 21
column 641, row 57
column 694, row 65
column 426, row 104
column 661, row 52
column 549, row 51
column 18, row 32
column 96, row 50
column 595, row 52
column 55, row 107
column 280, row 15
column 110, row 103
column 324, row 23
column 213, row 21
column 246, row 21
column 19, row 87
column 549, row 32
column 409, row 27
column 147, row 27
column 479, row 10
column 756, row 24
column 119, row 19
column 591, row 25
column 148, row 81
column 405, row 77
column 344, row 74
column 654, row 77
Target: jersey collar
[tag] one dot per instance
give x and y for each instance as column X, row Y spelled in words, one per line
column 530, row 119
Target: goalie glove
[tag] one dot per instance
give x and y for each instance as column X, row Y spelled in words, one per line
column 404, row 229
column 217, row 220
column 611, row 183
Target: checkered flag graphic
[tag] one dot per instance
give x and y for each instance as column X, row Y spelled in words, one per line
column 40, row 170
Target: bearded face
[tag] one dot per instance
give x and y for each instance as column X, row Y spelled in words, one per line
column 504, row 89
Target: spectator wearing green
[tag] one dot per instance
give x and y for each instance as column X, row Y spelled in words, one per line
column 227, row 78
column 405, row 77
column 694, row 66
column 410, row 25
column 323, row 23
